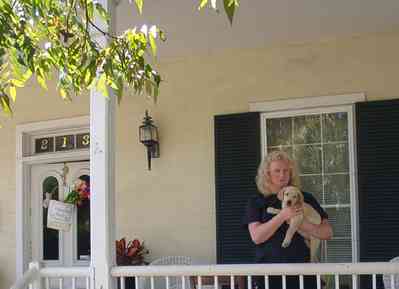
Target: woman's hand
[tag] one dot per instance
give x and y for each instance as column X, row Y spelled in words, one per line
column 289, row 212
column 261, row 232
column 322, row 231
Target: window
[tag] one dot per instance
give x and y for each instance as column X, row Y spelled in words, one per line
column 321, row 140
column 51, row 237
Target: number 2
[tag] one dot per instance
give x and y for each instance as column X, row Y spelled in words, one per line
column 44, row 144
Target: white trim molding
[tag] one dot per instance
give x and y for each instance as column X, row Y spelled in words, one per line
column 24, row 159
column 306, row 102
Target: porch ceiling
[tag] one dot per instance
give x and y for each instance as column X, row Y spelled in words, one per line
column 259, row 23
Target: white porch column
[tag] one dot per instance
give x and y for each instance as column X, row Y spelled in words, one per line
column 102, row 170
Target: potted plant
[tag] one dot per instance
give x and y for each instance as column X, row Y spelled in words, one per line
column 130, row 253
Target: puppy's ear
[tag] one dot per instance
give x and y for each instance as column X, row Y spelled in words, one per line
column 281, row 193
column 301, row 198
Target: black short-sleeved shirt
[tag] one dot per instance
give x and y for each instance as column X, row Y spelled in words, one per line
column 271, row 251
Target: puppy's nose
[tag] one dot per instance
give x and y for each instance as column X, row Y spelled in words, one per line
column 288, row 203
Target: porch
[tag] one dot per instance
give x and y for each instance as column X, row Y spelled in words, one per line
column 359, row 275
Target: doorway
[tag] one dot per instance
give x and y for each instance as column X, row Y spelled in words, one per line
column 55, row 247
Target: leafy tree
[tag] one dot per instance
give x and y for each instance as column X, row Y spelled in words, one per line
column 47, row 38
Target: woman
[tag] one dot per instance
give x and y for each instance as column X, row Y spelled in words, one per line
column 267, row 231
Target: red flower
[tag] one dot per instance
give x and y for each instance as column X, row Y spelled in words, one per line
column 131, row 253
column 79, row 194
column 136, row 243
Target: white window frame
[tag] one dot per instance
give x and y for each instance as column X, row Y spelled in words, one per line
column 314, row 105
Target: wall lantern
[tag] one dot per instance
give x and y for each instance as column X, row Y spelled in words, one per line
column 148, row 134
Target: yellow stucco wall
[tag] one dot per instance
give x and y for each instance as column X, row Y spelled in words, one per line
column 172, row 206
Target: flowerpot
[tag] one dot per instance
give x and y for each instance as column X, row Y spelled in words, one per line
column 130, row 283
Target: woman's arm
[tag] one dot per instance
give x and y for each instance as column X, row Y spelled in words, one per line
column 322, row 231
column 261, row 232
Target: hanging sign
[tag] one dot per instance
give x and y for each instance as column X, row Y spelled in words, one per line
column 60, row 215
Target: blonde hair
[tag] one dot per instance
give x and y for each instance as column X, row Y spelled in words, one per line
column 263, row 177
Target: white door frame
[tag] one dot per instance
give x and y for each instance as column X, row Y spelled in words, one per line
column 24, row 160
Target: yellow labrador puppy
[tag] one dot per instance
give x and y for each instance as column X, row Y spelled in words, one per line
column 292, row 196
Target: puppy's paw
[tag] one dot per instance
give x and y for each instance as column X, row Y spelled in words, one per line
column 286, row 243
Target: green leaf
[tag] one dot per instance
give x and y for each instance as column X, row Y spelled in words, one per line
column 64, row 94
column 156, row 93
column 87, row 76
column 13, row 93
column 102, row 86
column 17, row 83
column 229, row 8
column 202, row 4
column 16, row 67
column 153, row 44
column 42, row 82
column 119, row 91
column 90, row 9
column 139, row 5
column 102, row 12
column 162, row 35
column 26, row 75
column 5, row 104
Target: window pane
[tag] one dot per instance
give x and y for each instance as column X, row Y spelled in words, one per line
column 336, row 158
column 335, row 127
column 287, row 149
column 83, row 230
column 50, row 236
column 340, row 220
column 279, row 131
column 337, row 189
column 307, row 129
column 308, row 159
column 338, row 251
column 313, row 185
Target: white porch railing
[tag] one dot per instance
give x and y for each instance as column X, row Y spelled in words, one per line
column 55, row 277
column 205, row 276
column 335, row 271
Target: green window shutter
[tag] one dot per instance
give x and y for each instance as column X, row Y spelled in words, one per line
column 237, row 155
column 378, row 181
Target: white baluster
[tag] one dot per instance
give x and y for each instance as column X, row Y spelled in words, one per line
column 61, row 283
column 354, row 281
column 216, row 282
column 152, row 282
column 136, row 282
column 199, row 282
column 336, row 281
column 249, row 282
column 392, row 281
column 318, row 282
column 122, row 282
column 167, row 282
column 284, row 282
column 266, row 282
column 301, row 281
column 374, row 281
column 232, row 282
column 183, row 282
column 73, row 282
